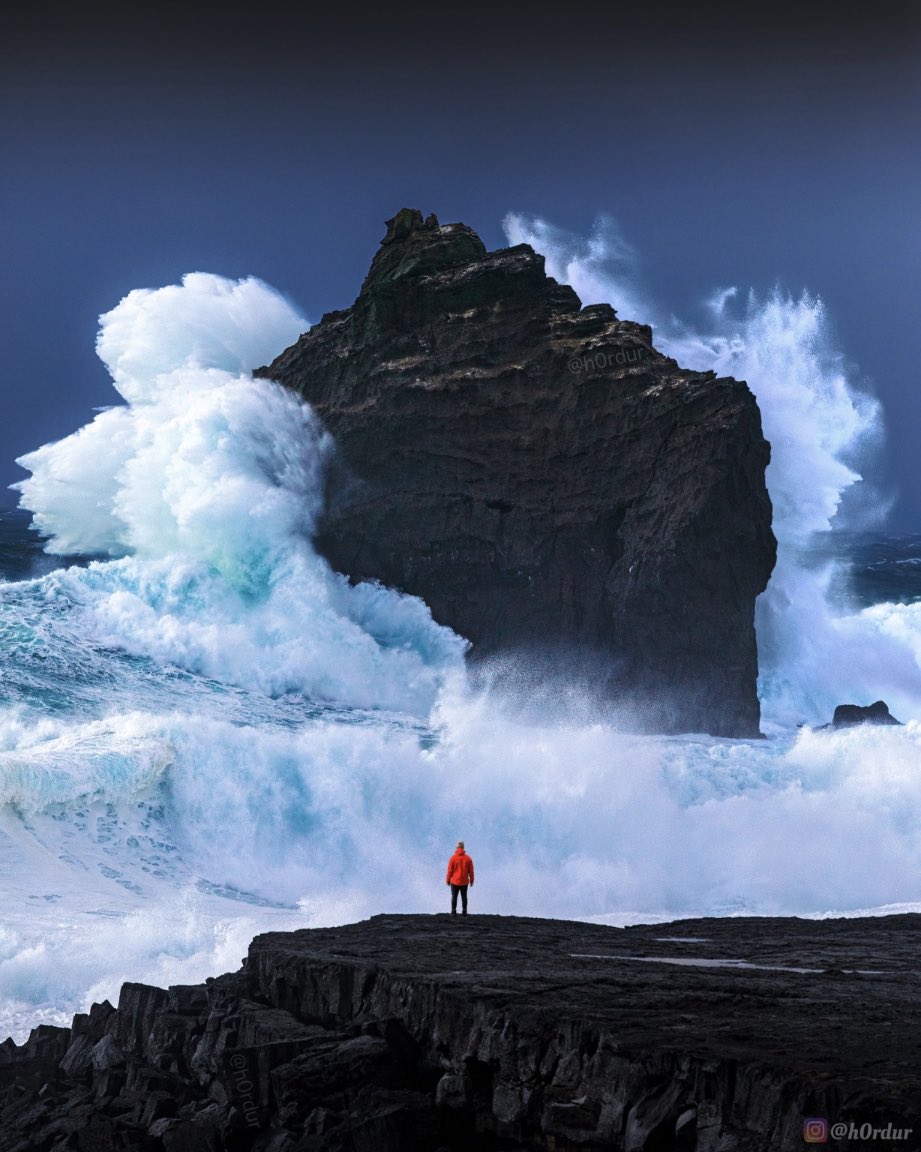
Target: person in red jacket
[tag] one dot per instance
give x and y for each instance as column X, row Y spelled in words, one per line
column 460, row 874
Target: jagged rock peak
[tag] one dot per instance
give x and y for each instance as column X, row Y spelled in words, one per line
column 408, row 220
column 415, row 247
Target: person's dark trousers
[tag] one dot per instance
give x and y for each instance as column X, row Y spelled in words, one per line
column 462, row 888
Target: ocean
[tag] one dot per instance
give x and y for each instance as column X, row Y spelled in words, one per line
column 206, row 733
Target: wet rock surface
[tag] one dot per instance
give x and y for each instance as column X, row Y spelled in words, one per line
column 549, row 483
column 460, row 1034
column 850, row 715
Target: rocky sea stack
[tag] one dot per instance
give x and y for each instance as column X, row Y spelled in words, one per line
column 552, row 486
column 851, row 715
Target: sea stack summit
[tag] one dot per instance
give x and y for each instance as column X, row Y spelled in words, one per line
column 555, row 489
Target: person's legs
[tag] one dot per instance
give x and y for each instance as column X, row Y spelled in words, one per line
column 463, row 892
column 454, row 891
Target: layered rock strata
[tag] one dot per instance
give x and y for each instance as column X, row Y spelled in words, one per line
column 453, row 1034
column 552, row 486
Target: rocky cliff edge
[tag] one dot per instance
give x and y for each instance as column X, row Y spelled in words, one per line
column 481, row 1033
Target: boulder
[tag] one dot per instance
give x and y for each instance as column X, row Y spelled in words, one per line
column 850, row 715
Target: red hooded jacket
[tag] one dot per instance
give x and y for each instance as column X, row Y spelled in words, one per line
column 460, row 868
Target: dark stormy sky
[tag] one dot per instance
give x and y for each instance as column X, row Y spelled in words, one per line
column 755, row 148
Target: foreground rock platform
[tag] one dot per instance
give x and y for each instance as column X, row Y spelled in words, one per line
column 556, row 489
column 423, row 1033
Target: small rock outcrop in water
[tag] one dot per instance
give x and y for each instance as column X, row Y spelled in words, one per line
column 850, row 715
column 426, row 1033
column 549, row 483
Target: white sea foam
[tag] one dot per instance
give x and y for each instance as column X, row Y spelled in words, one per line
column 160, row 877
column 209, row 484
column 207, row 322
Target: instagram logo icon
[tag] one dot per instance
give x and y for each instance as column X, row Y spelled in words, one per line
column 815, row 1130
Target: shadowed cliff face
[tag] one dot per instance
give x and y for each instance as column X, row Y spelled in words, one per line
column 490, row 1033
column 549, row 483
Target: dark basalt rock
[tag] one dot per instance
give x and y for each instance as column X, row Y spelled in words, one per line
column 428, row 1033
column 849, row 715
column 548, row 482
